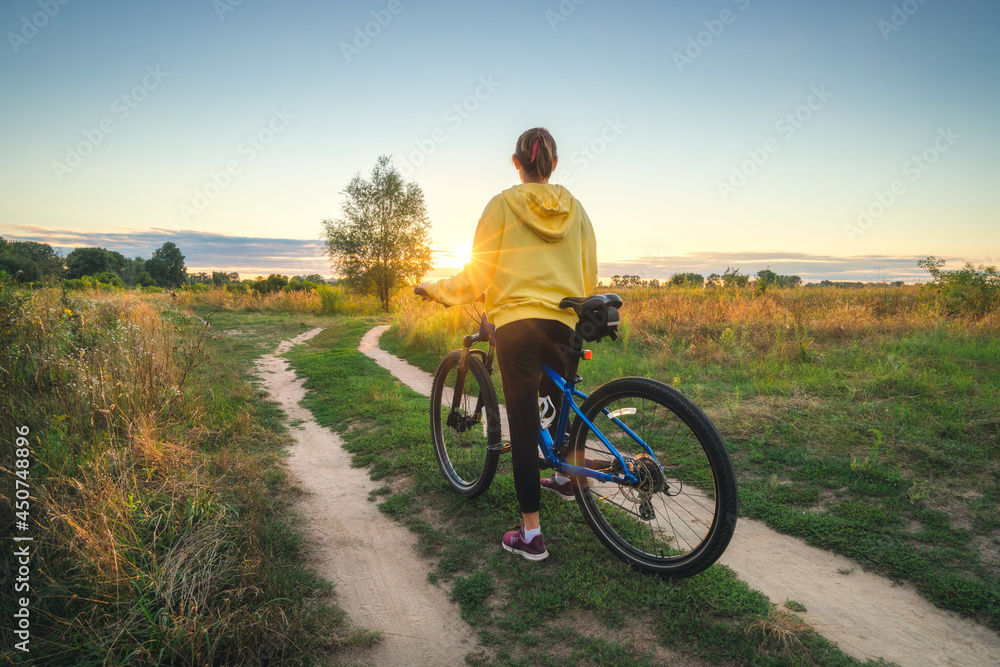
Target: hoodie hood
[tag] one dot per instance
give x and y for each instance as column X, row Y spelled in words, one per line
column 544, row 209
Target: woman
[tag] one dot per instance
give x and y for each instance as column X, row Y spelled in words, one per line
column 534, row 246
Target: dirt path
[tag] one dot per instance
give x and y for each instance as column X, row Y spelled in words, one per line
column 380, row 581
column 866, row 615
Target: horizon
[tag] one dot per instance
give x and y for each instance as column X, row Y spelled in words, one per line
column 838, row 141
column 212, row 251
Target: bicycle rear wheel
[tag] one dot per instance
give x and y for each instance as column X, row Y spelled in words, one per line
column 681, row 515
column 467, row 433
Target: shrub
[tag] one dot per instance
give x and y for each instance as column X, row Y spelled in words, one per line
column 971, row 290
column 20, row 269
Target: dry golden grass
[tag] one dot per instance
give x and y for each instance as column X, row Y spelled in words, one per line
column 727, row 324
column 144, row 553
column 779, row 631
column 325, row 300
column 716, row 324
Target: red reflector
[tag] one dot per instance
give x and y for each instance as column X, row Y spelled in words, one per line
column 587, row 355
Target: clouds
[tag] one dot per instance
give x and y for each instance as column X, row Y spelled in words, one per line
column 203, row 251
column 250, row 256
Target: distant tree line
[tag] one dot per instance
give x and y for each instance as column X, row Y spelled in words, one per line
column 730, row 278
column 32, row 262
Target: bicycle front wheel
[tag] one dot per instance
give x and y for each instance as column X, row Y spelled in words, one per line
column 467, row 431
column 679, row 516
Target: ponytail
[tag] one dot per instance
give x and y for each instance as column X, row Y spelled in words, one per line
column 536, row 151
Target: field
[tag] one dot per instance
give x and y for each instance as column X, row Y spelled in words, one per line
column 863, row 420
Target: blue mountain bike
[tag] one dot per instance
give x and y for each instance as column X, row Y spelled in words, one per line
column 649, row 470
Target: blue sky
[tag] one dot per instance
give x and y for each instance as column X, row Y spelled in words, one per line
column 831, row 140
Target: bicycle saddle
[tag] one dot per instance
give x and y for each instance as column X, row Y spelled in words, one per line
column 588, row 304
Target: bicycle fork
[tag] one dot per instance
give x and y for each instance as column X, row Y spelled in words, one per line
column 456, row 419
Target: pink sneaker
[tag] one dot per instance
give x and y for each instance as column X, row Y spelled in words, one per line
column 565, row 490
column 513, row 541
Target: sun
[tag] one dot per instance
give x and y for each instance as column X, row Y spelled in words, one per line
column 462, row 252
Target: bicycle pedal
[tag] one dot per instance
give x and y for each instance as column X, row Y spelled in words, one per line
column 502, row 448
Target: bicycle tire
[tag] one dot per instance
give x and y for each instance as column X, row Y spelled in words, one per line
column 681, row 517
column 467, row 450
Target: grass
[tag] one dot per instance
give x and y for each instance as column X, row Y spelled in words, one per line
column 581, row 604
column 159, row 510
column 864, row 421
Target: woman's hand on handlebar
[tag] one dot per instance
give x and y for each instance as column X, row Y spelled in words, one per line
column 421, row 291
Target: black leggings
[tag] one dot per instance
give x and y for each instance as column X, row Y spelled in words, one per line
column 522, row 347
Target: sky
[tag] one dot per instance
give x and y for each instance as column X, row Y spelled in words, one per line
column 831, row 140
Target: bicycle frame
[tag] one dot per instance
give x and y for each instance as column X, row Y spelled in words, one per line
column 545, row 441
column 487, row 333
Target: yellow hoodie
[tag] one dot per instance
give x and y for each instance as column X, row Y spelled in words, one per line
column 534, row 245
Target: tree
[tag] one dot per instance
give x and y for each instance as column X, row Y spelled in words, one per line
column 687, row 279
column 627, row 281
column 766, row 277
column 167, row 265
column 733, row 278
column 382, row 239
column 48, row 261
column 220, row 278
column 311, row 278
column 19, row 268
column 133, row 269
column 156, row 268
column 91, row 261
column 145, row 279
